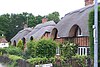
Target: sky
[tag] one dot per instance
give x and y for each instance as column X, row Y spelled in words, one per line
column 40, row 7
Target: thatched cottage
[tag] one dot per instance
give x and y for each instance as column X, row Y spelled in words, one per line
column 39, row 31
column 72, row 27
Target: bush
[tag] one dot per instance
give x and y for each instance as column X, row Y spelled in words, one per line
column 3, row 51
column 80, row 59
column 68, row 49
column 41, row 48
column 31, row 49
column 44, row 60
column 35, row 61
column 14, row 57
column 91, row 23
column 14, row 60
column 14, row 51
column 46, row 48
column 20, row 44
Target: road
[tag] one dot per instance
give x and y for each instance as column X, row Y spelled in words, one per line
column 1, row 65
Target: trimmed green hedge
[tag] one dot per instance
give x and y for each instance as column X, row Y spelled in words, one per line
column 42, row 48
column 91, row 23
column 46, row 48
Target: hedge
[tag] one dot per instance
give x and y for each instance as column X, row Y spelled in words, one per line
column 90, row 24
column 42, row 48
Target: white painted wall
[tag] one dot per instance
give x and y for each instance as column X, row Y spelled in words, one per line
column 2, row 45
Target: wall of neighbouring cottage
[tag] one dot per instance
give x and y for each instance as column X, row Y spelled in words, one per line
column 46, row 35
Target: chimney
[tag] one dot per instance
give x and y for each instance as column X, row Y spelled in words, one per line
column 88, row 2
column 44, row 20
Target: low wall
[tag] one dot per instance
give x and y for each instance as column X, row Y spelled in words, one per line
column 24, row 63
column 20, row 63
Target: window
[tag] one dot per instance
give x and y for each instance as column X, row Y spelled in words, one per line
column 24, row 41
column 79, row 32
column 57, row 51
column 14, row 43
column 88, row 51
column 83, row 50
column 31, row 38
column 54, row 33
column 75, row 31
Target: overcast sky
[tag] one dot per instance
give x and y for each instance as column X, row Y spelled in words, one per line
column 40, row 7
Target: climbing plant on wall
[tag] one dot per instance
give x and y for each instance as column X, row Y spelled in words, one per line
column 90, row 24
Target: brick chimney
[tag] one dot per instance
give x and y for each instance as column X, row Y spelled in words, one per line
column 88, row 2
column 44, row 20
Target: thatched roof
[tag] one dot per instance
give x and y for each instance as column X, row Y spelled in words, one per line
column 40, row 29
column 21, row 34
column 49, row 23
column 78, row 17
column 36, row 33
column 3, row 40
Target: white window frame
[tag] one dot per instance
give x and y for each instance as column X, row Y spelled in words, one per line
column 82, row 48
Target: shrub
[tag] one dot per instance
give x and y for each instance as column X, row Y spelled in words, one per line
column 14, row 50
column 68, row 49
column 14, row 60
column 14, row 57
column 20, row 44
column 31, row 49
column 46, row 48
column 37, row 60
column 44, row 60
column 3, row 51
column 41, row 48
column 80, row 59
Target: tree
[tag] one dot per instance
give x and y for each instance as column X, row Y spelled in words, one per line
column 54, row 16
column 4, row 23
column 20, row 44
column 11, row 24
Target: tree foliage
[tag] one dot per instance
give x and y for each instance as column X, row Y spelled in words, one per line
column 20, row 44
column 11, row 50
column 31, row 49
column 10, row 24
column 91, row 23
column 54, row 16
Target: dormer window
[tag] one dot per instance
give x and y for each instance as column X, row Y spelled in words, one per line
column 75, row 31
column 54, row 33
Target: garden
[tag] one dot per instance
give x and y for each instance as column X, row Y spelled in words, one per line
column 40, row 52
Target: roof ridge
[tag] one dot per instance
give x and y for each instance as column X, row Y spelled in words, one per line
column 81, row 9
